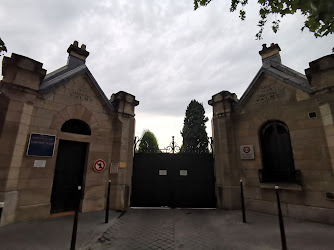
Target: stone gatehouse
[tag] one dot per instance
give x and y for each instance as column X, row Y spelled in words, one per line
column 280, row 132
column 67, row 111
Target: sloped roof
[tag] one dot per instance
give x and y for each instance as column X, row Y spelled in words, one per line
column 281, row 72
column 64, row 74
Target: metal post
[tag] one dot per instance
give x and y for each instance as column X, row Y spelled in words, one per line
column 173, row 146
column 242, row 202
column 107, row 205
column 211, row 144
column 136, row 140
column 75, row 222
column 280, row 219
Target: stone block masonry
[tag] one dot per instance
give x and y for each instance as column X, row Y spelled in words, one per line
column 278, row 95
column 33, row 102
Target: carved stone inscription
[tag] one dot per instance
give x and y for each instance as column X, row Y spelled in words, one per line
column 267, row 94
column 81, row 94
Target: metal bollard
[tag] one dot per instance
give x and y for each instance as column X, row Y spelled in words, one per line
column 242, row 202
column 107, row 205
column 75, row 222
column 280, row 219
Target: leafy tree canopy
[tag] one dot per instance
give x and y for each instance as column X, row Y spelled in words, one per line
column 148, row 142
column 194, row 134
column 2, row 47
column 319, row 13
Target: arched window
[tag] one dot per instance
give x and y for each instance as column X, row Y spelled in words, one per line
column 76, row 126
column 277, row 157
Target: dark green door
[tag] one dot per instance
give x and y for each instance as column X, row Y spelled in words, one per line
column 68, row 175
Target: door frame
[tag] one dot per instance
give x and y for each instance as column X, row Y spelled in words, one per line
column 87, row 142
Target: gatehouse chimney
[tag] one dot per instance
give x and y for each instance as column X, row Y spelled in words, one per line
column 270, row 54
column 77, row 56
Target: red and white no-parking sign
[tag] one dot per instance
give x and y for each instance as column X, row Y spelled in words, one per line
column 246, row 149
column 247, row 152
column 99, row 165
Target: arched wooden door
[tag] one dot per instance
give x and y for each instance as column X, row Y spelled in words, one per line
column 68, row 175
column 69, row 170
column 277, row 157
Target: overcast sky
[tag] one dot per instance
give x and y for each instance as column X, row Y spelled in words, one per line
column 162, row 52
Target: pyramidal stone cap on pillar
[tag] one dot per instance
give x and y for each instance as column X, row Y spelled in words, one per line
column 124, row 102
column 22, row 71
column 223, row 103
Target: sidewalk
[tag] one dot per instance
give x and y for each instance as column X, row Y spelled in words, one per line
column 168, row 229
column 55, row 233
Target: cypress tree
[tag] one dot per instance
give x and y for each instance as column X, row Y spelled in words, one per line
column 148, row 142
column 194, row 134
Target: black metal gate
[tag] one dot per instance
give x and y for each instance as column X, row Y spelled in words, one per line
column 173, row 180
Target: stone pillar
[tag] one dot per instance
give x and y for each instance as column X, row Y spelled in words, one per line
column 321, row 76
column 19, row 89
column 122, row 152
column 23, row 72
column 225, row 152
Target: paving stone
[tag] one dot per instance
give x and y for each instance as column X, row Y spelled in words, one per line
column 205, row 229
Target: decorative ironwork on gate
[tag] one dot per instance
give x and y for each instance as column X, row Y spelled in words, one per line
column 173, row 176
column 173, row 148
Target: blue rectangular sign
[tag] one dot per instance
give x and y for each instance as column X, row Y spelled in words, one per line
column 41, row 145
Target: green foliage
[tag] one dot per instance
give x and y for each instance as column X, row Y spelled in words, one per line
column 319, row 13
column 194, row 134
column 2, row 47
column 148, row 143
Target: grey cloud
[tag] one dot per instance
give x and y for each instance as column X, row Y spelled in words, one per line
column 162, row 52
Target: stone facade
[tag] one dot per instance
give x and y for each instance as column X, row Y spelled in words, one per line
column 33, row 102
column 306, row 106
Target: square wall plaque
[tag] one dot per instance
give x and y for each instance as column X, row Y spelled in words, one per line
column 183, row 172
column 247, row 152
column 162, row 172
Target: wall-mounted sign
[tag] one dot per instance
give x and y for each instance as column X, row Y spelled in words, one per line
column 162, row 172
column 183, row 172
column 39, row 164
column 247, row 152
column 99, row 165
column 114, row 167
column 41, row 145
column 122, row 164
